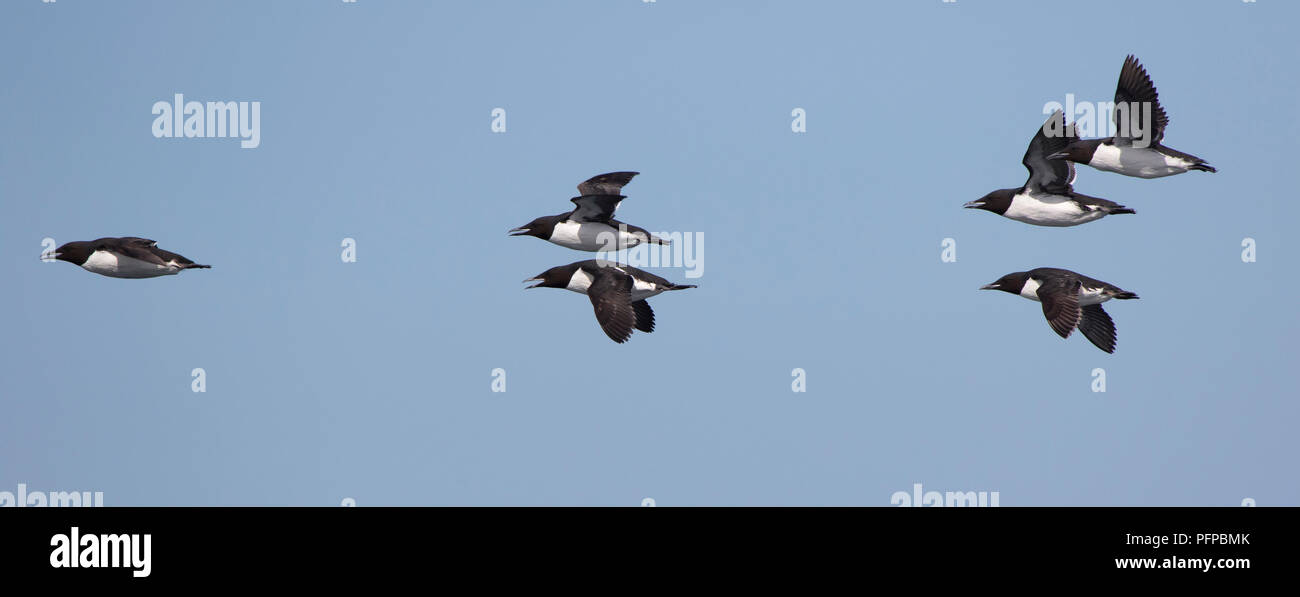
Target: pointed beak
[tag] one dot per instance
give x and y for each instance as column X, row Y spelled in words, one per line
column 520, row 231
column 971, row 204
column 993, row 286
column 50, row 256
column 538, row 280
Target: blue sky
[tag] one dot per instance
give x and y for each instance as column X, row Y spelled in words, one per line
column 372, row 380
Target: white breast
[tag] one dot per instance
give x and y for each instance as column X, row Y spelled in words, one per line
column 593, row 236
column 1030, row 291
column 1140, row 162
column 567, row 234
column 579, row 282
column 111, row 264
column 1049, row 210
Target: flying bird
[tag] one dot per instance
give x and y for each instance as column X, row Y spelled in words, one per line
column 1069, row 300
column 1048, row 199
column 618, row 293
column 591, row 225
column 1136, row 151
column 126, row 257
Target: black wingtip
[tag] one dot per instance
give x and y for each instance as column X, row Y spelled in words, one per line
column 1132, row 61
column 609, row 183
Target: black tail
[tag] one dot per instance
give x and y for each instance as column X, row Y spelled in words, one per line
column 1203, row 167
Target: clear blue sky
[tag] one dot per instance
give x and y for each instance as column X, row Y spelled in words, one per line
column 372, row 380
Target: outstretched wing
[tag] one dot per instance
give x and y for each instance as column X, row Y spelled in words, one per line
column 610, row 183
column 1135, row 91
column 1049, row 176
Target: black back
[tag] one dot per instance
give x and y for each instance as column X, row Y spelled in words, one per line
column 1046, row 273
